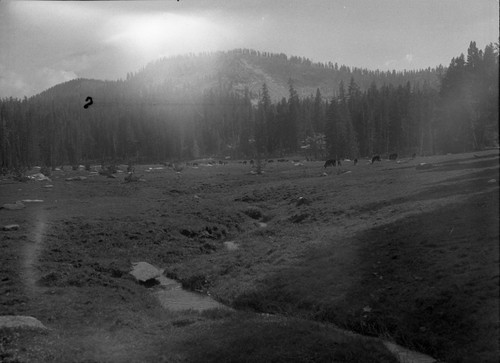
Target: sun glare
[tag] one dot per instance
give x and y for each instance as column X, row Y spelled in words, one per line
column 157, row 34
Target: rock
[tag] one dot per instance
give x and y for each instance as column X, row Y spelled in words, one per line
column 143, row 271
column 39, row 177
column 76, row 178
column 230, row 245
column 18, row 205
column 48, row 186
column 32, row 201
column 492, row 181
column 11, row 227
column 405, row 355
column 19, row 321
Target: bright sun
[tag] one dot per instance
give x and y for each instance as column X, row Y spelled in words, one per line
column 157, row 33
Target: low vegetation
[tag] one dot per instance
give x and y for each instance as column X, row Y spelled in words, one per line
column 385, row 250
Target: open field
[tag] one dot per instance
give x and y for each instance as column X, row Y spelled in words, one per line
column 383, row 250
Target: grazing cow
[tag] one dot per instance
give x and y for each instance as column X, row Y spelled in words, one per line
column 355, row 161
column 393, row 156
column 376, row 158
column 331, row 162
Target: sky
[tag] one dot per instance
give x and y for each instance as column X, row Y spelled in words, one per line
column 43, row 43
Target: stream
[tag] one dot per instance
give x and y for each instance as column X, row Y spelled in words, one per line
column 173, row 297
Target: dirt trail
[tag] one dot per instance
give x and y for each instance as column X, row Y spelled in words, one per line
column 31, row 251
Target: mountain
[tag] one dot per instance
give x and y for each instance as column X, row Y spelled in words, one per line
column 244, row 103
column 244, row 68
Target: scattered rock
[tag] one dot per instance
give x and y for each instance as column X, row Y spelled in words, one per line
column 32, row 201
column 11, row 227
column 262, row 225
column 18, row 205
column 367, row 309
column 48, row 186
column 143, row 271
column 19, row 321
column 492, row 181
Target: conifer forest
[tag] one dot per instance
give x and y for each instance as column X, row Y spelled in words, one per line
column 219, row 105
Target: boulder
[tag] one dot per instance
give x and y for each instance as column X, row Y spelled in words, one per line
column 39, row 177
column 16, row 206
column 143, row 271
column 19, row 321
column 11, row 227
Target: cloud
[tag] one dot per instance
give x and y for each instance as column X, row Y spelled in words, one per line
column 405, row 62
column 13, row 84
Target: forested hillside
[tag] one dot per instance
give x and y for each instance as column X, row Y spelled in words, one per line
column 243, row 103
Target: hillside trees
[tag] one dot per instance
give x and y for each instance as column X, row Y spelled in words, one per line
column 153, row 118
column 469, row 101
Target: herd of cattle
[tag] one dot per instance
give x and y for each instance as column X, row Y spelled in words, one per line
column 329, row 162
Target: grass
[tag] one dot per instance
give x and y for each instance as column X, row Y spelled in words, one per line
column 430, row 282
column 246, row 338
column 385, row 250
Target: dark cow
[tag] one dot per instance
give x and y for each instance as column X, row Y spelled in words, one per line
column 331, row 162
column 355, row 161
column 393, row 156
column 376, row 158
column 251, row 162
column 339, row 163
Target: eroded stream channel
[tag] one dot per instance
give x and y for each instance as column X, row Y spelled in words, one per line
column 173, row 297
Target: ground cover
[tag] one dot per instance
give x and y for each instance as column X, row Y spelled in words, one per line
column 384, row 250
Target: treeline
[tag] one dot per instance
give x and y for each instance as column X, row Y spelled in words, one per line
column 249, row 67
column 158, row 121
